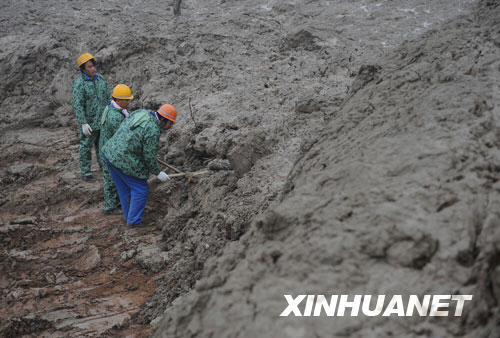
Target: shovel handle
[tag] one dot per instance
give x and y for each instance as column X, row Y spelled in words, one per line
column 169, row 166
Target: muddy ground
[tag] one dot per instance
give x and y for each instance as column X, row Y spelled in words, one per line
column 352, row 148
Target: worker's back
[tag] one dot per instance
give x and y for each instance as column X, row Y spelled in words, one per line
column 134, row 146
column 111, row 120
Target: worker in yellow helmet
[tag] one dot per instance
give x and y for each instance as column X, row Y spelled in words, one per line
column 90, row 97
column 112, row 116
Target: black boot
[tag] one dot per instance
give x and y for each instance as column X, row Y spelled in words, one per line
column 115, row 211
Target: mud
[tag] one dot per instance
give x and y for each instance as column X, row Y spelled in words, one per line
column 66, row 277
column 352, row 147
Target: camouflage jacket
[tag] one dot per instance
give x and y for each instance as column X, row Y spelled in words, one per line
column 134, row 146
column 111, row 119
column 90, row 97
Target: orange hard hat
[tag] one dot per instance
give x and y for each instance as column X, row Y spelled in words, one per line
column 84, row 58
column 168, row 111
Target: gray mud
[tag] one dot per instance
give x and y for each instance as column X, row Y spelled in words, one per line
column 353, row 148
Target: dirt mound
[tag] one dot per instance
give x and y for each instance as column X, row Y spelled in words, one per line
column 398, row 195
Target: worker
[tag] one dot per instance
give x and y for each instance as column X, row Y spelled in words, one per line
column 90, row 97
column 131, row 156
column 112, row 117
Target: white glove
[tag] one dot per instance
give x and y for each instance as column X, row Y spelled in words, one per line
column 162, row 176
column 87, row 131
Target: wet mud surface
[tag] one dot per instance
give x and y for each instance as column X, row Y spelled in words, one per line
column 352, row 147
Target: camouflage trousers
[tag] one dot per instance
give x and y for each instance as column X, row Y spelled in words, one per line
column 85, row 156
column 111, row 199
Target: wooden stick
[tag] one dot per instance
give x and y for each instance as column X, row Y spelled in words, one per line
column 192, row 114
column 169, row 166
column 154, row 183
column 192, row 174
column 32, row 144
column 82, row 204
column 60, row 140
column 43, row 145
column 177, row 7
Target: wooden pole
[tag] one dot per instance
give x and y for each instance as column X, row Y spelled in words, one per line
column 192, row 114
column 169, row 166
column 192, row 174
column 177, row 7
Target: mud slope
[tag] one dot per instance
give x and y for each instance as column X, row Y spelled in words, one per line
column 363, row 141
column 399, row 194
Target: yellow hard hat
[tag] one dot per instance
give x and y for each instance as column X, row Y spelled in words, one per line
column 122, row 92
column 84, row 58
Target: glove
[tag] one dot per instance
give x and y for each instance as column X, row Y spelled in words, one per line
column 162, row 176
column 87, row 131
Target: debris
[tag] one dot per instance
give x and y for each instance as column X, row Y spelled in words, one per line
column 61, row 278
column 126, row 255
column 177, row 7
column 307, row 106
column 192, row 113
column 50, row 278
column 40, row 292
column 219, row 164
column 27, row 220
column 89, row 260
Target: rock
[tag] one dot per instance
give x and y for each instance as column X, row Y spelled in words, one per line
column 154, row 323
column 126, row 255
column 412, row 253
column 219, row 164
column 82, row 240
column 69, row 219
column 151, row 257
column 50, row 278
column 89, row 260
column 25, row 220
column 58, row 315
column 307, row 106
column 20, row 168
column 61, row 278
column 272, row 222
column 40, row 292
column 241, row 160
column 77, row 249
column 301, row 39
column 248, row 150
column 366, row 74
column 13, row 295
column 206, row 141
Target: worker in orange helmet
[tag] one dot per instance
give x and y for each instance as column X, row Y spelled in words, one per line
column 131, row 156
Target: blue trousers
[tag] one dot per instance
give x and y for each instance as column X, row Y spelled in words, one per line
column 132, row 191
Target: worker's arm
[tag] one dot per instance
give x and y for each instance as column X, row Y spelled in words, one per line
column 150, row 150
column 79, row 104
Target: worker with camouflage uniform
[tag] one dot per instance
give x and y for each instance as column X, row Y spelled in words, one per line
column 90, row 97
column 112, row 117
column 131, row 156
